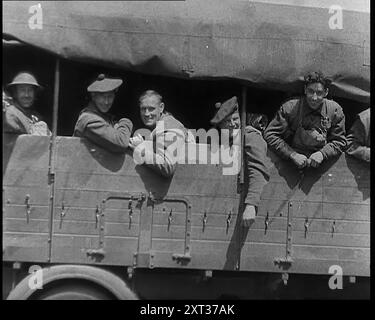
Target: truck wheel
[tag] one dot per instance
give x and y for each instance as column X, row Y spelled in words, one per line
column 74, row 291
column 74, row 282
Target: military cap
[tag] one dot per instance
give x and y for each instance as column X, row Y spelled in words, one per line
column 224, row 109
column 24, row 78
column 104, row 84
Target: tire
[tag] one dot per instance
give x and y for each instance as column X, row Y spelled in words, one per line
column 74, row 291
column 74, row 282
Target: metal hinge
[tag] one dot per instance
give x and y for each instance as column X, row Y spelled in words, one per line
column 51, row 177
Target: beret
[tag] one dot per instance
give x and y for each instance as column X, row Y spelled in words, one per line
column 104, row 84
column 224, row 109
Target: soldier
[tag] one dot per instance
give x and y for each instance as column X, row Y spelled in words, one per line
column 256, row 161
column 359, row 137
column 308, row 129
column 19, row 115
column 165, row 130
column 99, row 126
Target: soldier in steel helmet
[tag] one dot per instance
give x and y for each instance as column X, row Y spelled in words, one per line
column 96, row 123
column 19, row 114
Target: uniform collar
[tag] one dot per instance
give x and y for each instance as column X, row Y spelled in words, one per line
column 28, row 112
column 308, row 110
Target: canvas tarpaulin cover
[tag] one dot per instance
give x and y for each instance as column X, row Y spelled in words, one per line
column 260, row 44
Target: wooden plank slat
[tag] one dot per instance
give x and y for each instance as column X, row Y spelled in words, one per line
column 347, row 195
column 88, row 214
column 75, row 228
column 316, row 266
column 25, row 247
column 281, row 191
column 21, row 225
column 328, row 239
column 118, row 251
column 330, row 253
column 19, row 212
column 325, row 225
column 26, row 177
column 39, row 196
column 134, row 184
column 349, row 211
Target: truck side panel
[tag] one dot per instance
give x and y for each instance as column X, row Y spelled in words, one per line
column 25, row 198
column 329, row 216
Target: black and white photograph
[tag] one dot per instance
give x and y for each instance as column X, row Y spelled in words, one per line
column 197, row 152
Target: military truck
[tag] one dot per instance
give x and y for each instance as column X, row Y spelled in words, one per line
column 80, row 222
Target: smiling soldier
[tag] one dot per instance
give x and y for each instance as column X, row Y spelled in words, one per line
column 95, row 122
column 167, row 132
column 308, row 129
column 19, row 115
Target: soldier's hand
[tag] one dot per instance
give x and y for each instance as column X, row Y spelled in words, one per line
column 248, row 216
column 299, row 160
column 135, row 141
column 316, row 159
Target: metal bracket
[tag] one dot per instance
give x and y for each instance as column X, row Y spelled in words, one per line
column 289, row 232
column 62, row 214
column 130, row 272
column 306, row 225
column 266, row 223
column 283, row 261
column 28, row 207
column 229, row 220
column 143, row 259
column 333, row 228
column 285, row 278
column 286, row 262
column 207, row 275
column 96, row 253
column 97, row 216
column 51, row 177
column 169, row 220
column 181, row 257
column 130, row 214
column 204, row 220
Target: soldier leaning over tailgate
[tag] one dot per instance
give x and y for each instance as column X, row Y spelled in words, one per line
column 96, row 123
column 359, row 137
column 19, row 114
column 256, row 163
column 308, row 129
column 166, row 130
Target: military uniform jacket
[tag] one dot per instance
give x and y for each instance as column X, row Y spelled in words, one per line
column 23, row 121
column 257, row 165
column 101, row 129
column 359, row 137
column 297, row 127
column 168, row 130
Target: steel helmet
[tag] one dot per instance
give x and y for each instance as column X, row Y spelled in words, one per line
column 24, row 78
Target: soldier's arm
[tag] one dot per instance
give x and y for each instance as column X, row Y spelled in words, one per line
column 275, row 131
column 164, row 158
column 257, row 167
column 113, row 139
column 11, row 123
column 357, row 142
column 336, row 136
